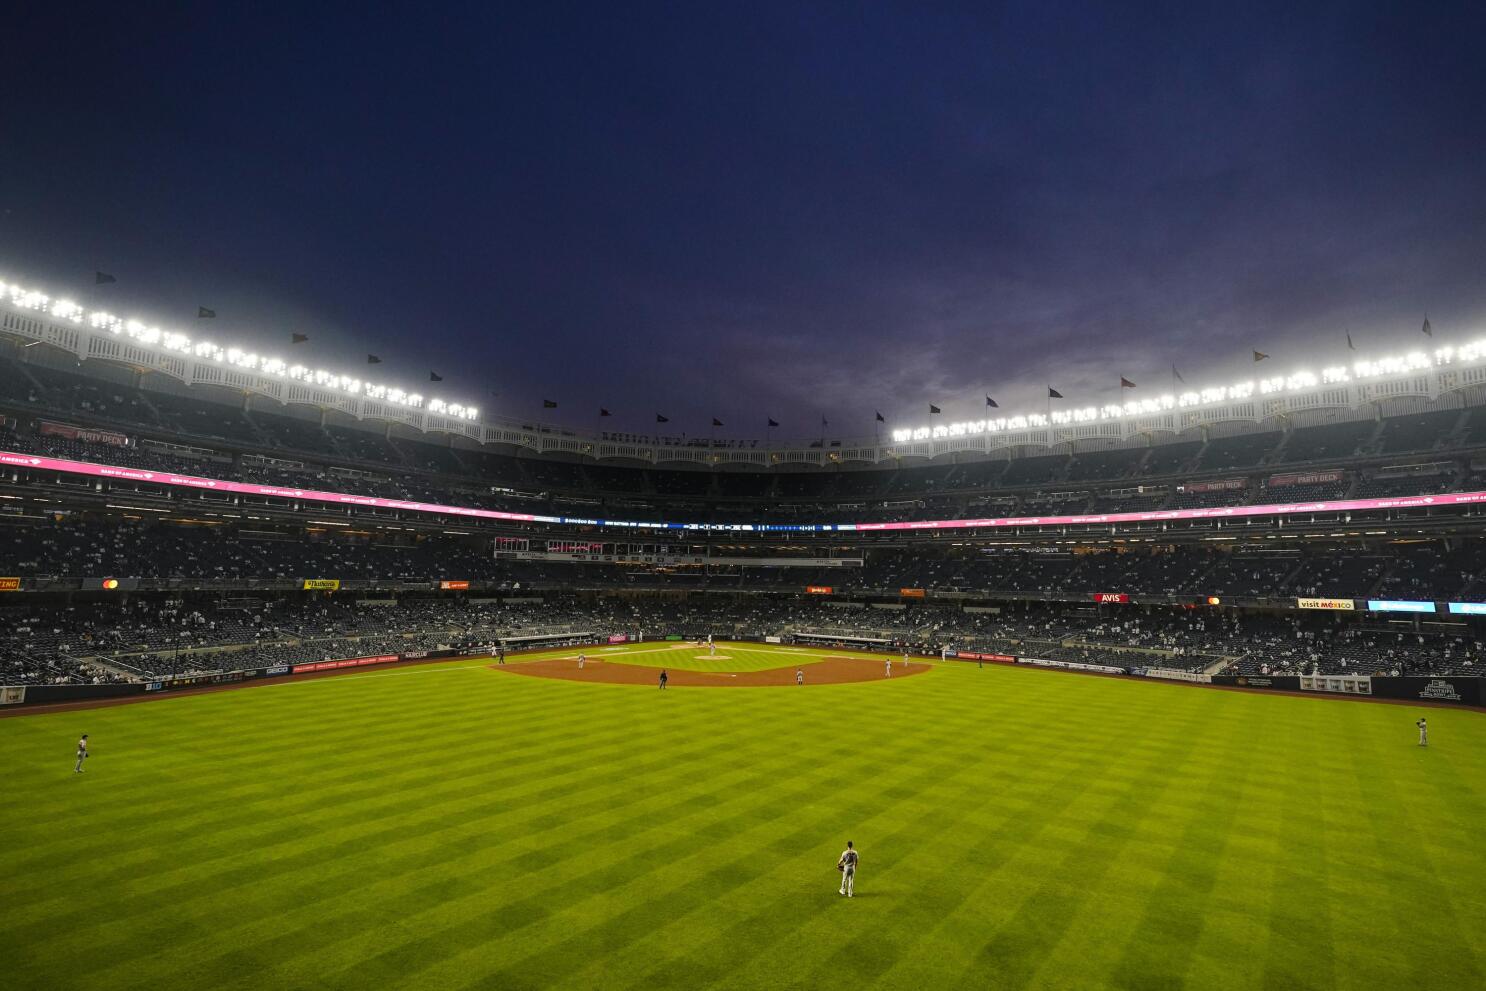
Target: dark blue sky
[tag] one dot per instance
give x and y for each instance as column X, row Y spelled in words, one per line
column 798, row 209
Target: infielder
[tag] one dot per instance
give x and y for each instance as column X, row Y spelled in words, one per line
column 847, row 865
column 799, row 676
column 82, row 752
column 887, row 668
column 1423, row 734
column 581, row 659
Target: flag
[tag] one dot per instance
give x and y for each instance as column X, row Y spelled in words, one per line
column 879, row 416
column 103, row 279
column 549, row 404
column 435, row 377
column 823, row 421
column 716, row 422
column 202, row 313
column 1126, row 383
column 1053, row 393
column 933, row 409
column 662, row 419
column 1177, row 375
column 992, row 403
column 1260, row 356
column 298, row 338
column 604, row 412
column 1350, row 345
column 1427, row 329
column 372, row 359
column 773, row 422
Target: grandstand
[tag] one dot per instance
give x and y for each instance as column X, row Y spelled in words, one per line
column 168, row 503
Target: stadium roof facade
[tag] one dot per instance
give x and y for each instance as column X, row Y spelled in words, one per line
column 1442, row 377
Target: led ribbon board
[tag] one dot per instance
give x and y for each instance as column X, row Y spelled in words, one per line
column 37, row 462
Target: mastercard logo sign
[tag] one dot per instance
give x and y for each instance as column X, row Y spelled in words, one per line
column 110, row 583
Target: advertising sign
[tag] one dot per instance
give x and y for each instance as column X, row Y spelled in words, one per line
column 322, row 584
column 911, row 593
column 1399, row 605
column 1176, row 674
column 1456, row 608
column 619, row 638
column 10, row 584
column 1306, row 478
column 458, row 586
column 1119, row 598
column 1071, row 665
column 968, row 655
column 819, row 589
column 1344, row 684
column 349, row 662
column 1346, row 604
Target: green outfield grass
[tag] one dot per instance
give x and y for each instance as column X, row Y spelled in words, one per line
column 457, row 827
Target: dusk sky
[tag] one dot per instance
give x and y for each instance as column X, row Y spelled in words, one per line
column 760, row 210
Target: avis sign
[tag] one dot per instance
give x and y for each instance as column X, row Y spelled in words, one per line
column 1115, row 598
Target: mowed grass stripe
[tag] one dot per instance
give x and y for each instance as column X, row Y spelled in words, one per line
column 353, row 817
column 513, row 836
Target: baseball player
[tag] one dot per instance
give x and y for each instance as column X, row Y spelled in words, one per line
column 663, row 679
column 82, row 752
column 799, row 676
column 1423, row 735
column 887, row 668
column 847, row 865
column 711, row 647
column 581, row 659
column 905, row 657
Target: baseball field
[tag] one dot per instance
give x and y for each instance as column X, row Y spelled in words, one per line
column 462, row 826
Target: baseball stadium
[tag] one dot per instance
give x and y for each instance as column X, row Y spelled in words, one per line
column 376, row 690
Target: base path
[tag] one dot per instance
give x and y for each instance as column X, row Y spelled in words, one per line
column 826, row 671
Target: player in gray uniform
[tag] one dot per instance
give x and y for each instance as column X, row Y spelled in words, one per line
column 847, row 865
column 82, row 752
column 1423, row 733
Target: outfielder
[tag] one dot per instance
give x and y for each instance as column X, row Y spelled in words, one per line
column 847, row 865
column 1423, row 734
column 82, row 752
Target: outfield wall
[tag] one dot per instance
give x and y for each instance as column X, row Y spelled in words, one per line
column 1441, row 690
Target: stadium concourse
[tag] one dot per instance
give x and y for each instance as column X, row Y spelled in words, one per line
column 156, row 530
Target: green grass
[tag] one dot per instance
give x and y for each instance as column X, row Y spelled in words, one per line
column 454, row 827
column 729, row 657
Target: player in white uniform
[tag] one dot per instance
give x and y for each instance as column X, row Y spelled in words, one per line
column 581, row 659
column 887, row 668
column 711, row 647
column 1423, row 733
column 847, row 865
column 82, row 752
column 799, row 676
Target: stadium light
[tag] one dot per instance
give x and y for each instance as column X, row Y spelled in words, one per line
column 1298, row 381
column 178, row 343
